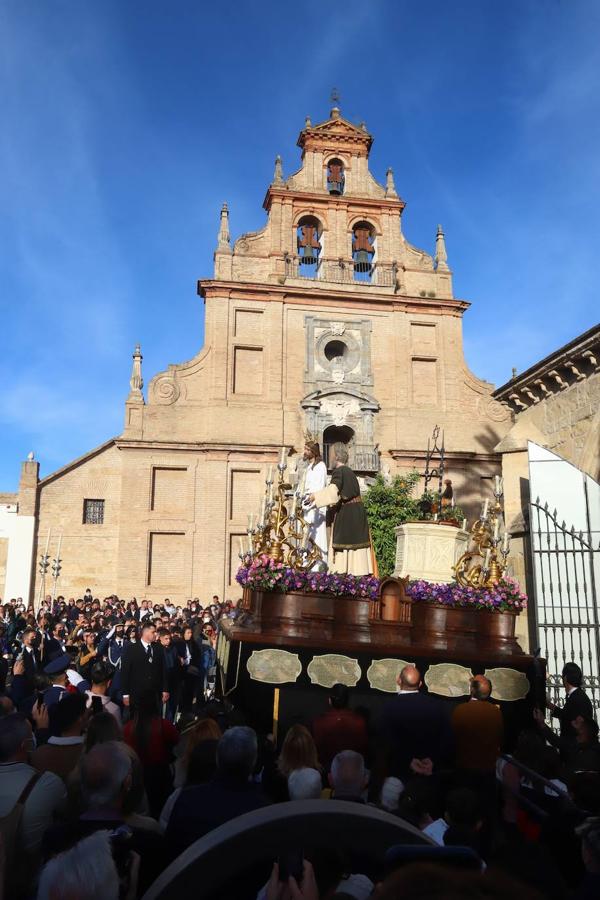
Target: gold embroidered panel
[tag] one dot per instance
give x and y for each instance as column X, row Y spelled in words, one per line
column 332, row 668
column 382, row 674
column 448, row 680
column 274, row 666
column 508, row 684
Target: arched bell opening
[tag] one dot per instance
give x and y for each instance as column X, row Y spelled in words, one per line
column 363, row 251
column 308, row 239
column 337, row 434
column 335, row 177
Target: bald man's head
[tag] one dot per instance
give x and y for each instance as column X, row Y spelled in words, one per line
column 481, row 687
column 409, row 679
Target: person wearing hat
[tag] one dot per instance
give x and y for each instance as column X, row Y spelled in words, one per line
column 64, row 680
column 112, row 647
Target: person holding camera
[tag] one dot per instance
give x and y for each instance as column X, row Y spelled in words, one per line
column 98, row 699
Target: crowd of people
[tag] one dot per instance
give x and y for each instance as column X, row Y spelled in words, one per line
column 115, row 757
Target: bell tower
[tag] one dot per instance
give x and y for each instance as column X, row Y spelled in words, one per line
column 332, row 222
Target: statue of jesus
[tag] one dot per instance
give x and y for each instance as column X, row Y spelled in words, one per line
column 316, row 479
column 350, row 549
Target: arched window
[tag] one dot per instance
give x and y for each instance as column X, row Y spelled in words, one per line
column 335, row 176
column 308, row 234
column 363, row 250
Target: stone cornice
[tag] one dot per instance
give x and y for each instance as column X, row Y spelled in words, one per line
column 572, row 363
column 369, row 298
column 335, row 130
column 452, row 456
column 269, row 450
column 324, row 199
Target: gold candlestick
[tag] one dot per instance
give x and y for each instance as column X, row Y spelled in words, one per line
column 276, row 535
column 480, row 566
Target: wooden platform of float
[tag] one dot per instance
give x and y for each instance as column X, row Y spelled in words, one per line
column 284, row 650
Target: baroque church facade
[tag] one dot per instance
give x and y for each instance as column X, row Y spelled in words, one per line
column 326, row 321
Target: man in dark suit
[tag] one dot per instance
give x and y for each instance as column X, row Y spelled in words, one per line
column 31, row 658
column 143, row 668
column 415, row 729
column 54, row 645
column 577, row 703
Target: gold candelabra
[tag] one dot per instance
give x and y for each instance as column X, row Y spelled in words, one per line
column 280, row 530
column 484, row 562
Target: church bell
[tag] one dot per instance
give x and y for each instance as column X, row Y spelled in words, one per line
column 362, row 261
column 308, row 245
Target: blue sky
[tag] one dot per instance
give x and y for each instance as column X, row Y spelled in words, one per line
column 126, row 124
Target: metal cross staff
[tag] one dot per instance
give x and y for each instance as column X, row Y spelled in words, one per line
column 438, row 470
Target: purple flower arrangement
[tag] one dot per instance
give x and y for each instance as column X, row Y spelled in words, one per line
column 264, row 574
column 504, row 596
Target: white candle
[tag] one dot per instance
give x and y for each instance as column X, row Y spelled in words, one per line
column 496, row 529
column 269, row 474
column 464, row 524
column 486, row 559
column 282, row 456
column 241, row 547
column 47, row 543
column 263, row 510
column 250, row 544
column 250, row 521
column 484, row 509
column 270, row 497
column 506, row 542
column 496, row 484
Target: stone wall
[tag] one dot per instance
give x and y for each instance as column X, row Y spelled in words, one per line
column 89, row 552
column 179, row 482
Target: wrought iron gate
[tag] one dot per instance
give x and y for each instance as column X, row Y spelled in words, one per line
column 566, row 613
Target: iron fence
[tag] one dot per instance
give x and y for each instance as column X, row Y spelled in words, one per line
column 566, row 612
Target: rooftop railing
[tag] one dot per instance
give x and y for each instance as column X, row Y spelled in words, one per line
column 341, row 271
